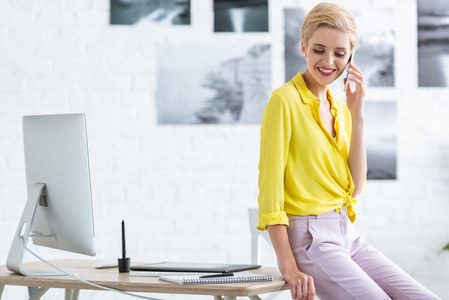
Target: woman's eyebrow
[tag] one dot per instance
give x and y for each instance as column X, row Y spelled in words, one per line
column 324, row 46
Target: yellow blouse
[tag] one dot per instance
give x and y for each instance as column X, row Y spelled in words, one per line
column 303, row 170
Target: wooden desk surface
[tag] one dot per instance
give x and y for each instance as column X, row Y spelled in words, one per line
column 122, row 281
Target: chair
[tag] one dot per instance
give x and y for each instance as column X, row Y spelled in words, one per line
column 256, row 240
column 256, row 234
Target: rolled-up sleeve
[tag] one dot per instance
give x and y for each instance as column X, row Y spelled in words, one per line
column 275, row 134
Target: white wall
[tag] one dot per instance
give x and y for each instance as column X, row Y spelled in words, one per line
column 184, row 190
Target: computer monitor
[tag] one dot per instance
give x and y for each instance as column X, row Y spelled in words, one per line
column 58, row 213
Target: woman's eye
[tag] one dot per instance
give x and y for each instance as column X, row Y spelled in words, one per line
column 318, row 51
column 339, row 54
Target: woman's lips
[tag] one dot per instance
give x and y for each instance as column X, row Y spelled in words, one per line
column 326, row 71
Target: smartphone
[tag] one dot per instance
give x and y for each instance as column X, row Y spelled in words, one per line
column 347, row 74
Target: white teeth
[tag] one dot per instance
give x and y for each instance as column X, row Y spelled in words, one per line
column 325, row 71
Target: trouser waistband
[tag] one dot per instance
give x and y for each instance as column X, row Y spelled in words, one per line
column 328, row 215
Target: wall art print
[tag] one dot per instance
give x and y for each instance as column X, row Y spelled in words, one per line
column 150, row 12
column 433, row 43
column 381, row 139
column 216, row 83
column 240, row 16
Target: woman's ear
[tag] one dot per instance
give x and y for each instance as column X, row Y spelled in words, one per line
column 303, row 50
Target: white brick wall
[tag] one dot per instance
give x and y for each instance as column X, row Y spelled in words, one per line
column 184, row 190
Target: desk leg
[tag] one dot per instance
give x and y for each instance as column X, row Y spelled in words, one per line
column 71, row 294
column 39, row 293
column 32, row 290
column 1, row 290
column 68, row 294
column 235, row 298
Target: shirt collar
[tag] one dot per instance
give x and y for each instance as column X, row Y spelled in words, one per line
column 306, row 95
column 304, row 92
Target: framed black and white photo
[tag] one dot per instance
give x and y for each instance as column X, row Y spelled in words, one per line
column 381, row 139
column 215, row 83
column 374, row 54
column 433, row 43
column 150, row 12
column 240, row 15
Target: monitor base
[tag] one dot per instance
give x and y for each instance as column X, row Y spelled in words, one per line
column 18, row 247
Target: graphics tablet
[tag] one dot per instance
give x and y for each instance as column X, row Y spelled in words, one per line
column 193, row 267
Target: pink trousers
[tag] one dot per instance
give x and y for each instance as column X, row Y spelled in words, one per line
column 343, row 265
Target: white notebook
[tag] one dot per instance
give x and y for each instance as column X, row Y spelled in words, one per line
column 238, row 277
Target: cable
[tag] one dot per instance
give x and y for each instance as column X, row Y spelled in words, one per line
column 85, row 281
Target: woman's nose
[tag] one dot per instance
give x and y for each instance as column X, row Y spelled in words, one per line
column 327, row 60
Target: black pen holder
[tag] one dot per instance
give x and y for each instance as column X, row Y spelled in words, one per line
column 124, row 264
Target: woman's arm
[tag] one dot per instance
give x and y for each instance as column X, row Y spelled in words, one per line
column 357, row 152
column 300, row 283
column 357, row 155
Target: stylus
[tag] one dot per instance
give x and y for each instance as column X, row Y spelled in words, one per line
column 123, row 240
column 217, row 275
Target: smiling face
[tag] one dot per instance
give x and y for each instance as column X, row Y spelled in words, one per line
column 327, row 53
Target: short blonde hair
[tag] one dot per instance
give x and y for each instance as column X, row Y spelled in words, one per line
column 333, row 16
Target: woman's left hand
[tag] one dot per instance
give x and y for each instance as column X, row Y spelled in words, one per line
column 355, row 99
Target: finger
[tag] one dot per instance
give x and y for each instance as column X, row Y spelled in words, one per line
column 305, row 287
column 348, row 89
column 358, row 80
column 354, row 67
column 356, row 77
column 293, row 291
column 356, row 72
column 311, row 289
column 359, row 85
column 299, row 293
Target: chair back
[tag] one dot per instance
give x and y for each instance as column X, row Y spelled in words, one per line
column 256, row 234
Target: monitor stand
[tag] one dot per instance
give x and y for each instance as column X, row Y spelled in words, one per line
column 17, row 250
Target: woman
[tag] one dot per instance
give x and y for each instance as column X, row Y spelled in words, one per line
column 312, row 166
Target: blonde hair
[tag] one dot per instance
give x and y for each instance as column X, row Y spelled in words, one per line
column 332, row 16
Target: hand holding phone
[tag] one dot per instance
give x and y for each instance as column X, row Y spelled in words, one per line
column 347, row 74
